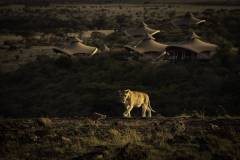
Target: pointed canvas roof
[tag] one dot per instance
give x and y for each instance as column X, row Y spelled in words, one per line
column 187, row 20
column 149, row 30
column 196, row 45
column 194, row 36
column 148, row 44
column 141, row 31
column 77, row 47
column 199, row 46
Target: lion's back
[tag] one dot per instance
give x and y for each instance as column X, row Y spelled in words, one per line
column 139, row 98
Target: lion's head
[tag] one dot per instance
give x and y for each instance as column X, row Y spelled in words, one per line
column 124, row 94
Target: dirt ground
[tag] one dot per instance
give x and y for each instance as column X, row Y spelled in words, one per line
column 136, row 11
column 11, row 60
column 117, row 138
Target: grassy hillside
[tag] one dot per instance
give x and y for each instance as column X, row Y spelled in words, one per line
column 47, row 2
column 119, row 139
column 66, row 87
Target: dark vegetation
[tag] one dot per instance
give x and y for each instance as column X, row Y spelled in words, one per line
column 222, row 25
column 67, row 87
column 62, row 87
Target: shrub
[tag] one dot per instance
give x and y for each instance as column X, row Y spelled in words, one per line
column 64, row 62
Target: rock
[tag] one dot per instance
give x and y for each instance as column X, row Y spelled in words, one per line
column 66, row 140
column 45, row 122
column 214, row 126
column 179, row 126
column 33, row 138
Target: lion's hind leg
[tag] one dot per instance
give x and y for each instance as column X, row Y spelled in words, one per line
column 144, row 109
column 149, row 112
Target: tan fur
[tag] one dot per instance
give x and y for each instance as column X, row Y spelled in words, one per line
column 132, row 99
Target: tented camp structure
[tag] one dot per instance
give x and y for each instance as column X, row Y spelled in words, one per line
column 76, row 47
column 141, row 31
column 147, row 45
column 149, row 30
column 187, row 20
column 194, row 48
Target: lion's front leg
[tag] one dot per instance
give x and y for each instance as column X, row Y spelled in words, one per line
column 129, row 111
column 126, row 114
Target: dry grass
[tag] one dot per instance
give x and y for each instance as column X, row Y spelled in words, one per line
column 129, row 136
column 161, row 138
column 92, row 141
column 152, row 141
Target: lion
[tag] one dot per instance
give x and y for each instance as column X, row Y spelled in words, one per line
column 137, row 99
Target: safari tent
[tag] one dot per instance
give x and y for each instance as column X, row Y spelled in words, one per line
column 149, row 30
column 193, row 48
column 76, row 47
column 141, row 31
column 147, row 45
column 187, row 20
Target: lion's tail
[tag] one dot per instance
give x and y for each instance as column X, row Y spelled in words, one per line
column 150, row 107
